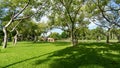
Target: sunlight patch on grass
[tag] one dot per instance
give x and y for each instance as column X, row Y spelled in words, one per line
column 95, row 46
column 115, row 52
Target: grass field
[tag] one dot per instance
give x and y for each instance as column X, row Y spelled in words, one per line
column 60, row 55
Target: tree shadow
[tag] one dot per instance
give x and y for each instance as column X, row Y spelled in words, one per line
column 82, row 57
column 27, row 60
column 37, row 62
column 85, row 55
column 94, row 43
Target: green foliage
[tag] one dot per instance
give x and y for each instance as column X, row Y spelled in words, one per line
column 31, row 29
column 65, row 35
column 118, row 1
column 10, row 7
column 98, row 33
column 83, row 32
column 55, row 35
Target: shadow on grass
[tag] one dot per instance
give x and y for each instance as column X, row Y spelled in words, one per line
column 94, row 43
column 82, row 57
column 37, row 62
column 85, row 55
column 26, row 60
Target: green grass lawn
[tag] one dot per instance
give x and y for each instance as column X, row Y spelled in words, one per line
column 60, row 55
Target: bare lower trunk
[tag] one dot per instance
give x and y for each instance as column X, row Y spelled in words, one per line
column 74, row 39
column 35, row 39
column 108, row 36
column 107, row 39
column 74, row 42
column 15, row 38
column 5, row 37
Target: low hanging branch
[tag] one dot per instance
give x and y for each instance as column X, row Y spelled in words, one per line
column 9, row 23
column 16, row 26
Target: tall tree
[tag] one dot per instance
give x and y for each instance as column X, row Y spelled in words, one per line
column 105, row 13
column 67, row 15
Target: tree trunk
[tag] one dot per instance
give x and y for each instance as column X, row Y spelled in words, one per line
column 73, row 41
column 5, row 37
column 108, row 36
column 15, row 38
column 98, row 39
column 118, row 37
column 35, row 39
column 107, row 39
column 74, row 38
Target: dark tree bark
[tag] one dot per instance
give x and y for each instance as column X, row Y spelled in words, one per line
column 108, row 36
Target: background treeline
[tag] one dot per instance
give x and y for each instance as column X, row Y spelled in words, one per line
column 83, row 34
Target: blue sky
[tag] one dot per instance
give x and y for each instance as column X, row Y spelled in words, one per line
column 92, row 26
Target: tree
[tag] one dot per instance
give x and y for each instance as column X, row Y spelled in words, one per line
column 67, row 15
column 98, row 33
column 13, row 15
column 104, row 14
column 82, row 30
column 55, row 35
column 64, row 35
column 116, row 32
column 17, row 10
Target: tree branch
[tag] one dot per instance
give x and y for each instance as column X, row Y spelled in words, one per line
column 102, row 11
column 16, row 26
column 16, row 15
column 98, row 24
